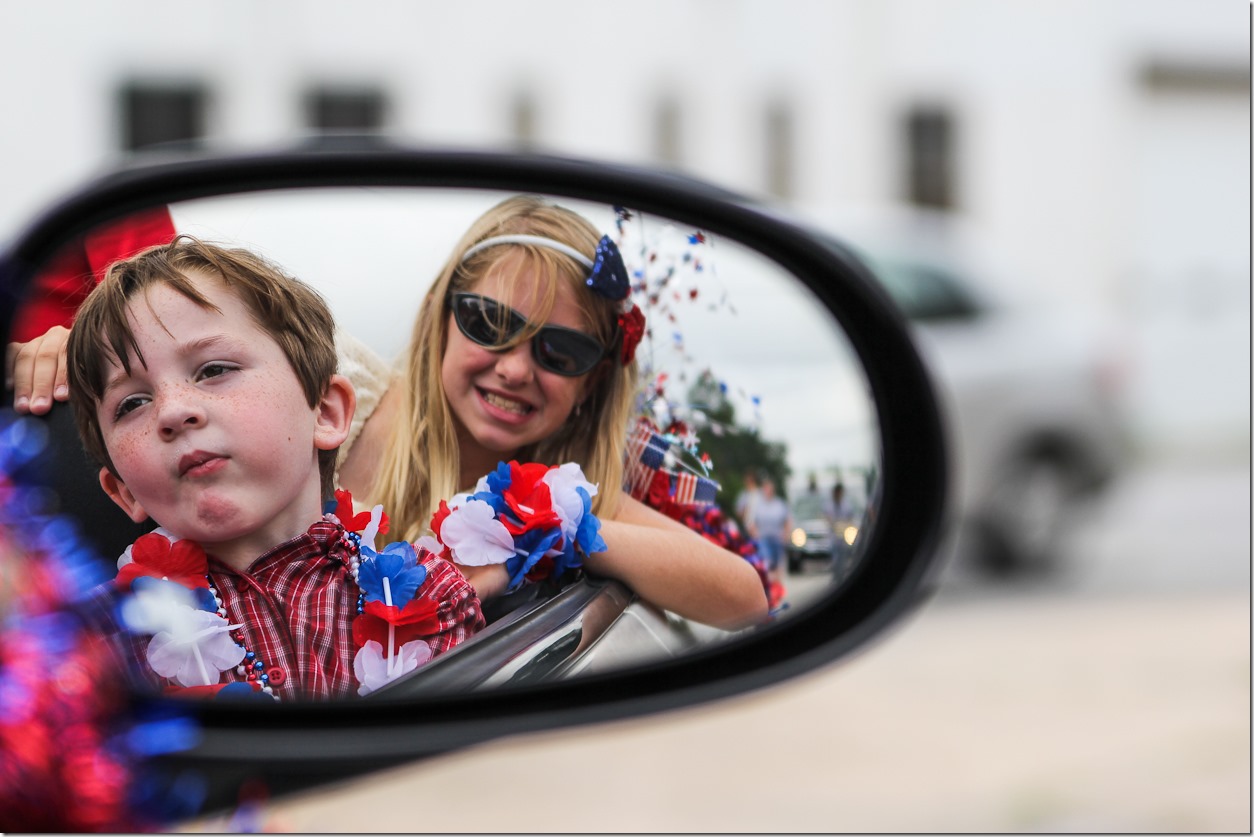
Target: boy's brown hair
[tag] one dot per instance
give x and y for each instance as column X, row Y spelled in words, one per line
column 291, row 312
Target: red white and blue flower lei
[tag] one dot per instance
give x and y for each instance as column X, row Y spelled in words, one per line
column 535, row 519
column 391, row 616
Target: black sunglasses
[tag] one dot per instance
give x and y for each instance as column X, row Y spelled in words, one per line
column 562, row 351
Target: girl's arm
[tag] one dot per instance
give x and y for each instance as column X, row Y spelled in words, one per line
column 673, row 567
column 489, row 580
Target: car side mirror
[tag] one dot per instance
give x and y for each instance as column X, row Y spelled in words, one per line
column 840, row 315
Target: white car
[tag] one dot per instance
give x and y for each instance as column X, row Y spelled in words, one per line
column 1031, row 392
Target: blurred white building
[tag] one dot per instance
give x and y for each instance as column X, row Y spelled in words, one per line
column 1103, row 146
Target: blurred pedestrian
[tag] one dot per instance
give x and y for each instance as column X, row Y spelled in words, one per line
column 746, row 500
column 839, row 513
column 771, row 522
column 838, row 507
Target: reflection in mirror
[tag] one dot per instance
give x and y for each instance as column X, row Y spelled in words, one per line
column 743, row 375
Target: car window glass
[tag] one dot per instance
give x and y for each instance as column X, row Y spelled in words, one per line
column 923, row 291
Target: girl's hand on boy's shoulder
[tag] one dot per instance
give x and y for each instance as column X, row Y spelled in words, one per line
column 36, row 371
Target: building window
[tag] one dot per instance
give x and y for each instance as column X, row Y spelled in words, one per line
column 524, row 119
column 667, row 132
column 331, row 110
column 780, row 141
column 1167, row 76
column 930, row 157
column 162, row 115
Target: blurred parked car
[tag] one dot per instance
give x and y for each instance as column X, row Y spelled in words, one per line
column 812, row 540
column 1032, row 392
column 820, row 536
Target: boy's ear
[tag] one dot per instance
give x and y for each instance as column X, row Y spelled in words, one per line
column 120, row 494
column 335, row 413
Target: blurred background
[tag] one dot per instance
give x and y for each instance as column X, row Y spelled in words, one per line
column 1057, row 192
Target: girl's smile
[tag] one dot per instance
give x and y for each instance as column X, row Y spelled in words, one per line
column 505, row 404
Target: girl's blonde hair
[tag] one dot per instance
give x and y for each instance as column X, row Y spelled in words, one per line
column 421, row 464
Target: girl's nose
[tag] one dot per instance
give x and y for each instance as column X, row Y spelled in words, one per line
column 516, row 366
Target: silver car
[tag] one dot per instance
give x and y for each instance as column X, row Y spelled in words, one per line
column 1032, row 393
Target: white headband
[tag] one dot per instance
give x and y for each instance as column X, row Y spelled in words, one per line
column 538, row 240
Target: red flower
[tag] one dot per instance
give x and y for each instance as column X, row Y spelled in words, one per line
column 632, row 326
column 437, row 519
column 542, row 569
column 420, row 618
column 355, row 522
column 182, row 562
column 529, row 500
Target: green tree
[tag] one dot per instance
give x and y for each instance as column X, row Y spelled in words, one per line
column 734, row 450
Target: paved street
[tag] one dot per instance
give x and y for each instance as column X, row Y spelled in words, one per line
column 1115, row 697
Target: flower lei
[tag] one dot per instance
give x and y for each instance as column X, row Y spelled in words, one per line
column 172, row 598
column 535, row 519
column 391, row 616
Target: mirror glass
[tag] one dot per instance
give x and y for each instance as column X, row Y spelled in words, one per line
column 742, row 370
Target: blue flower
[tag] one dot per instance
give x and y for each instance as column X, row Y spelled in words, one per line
column 531, row 547
column 498, row 482
column 500, row 479
column 398, row 563
column 496, row 501
column 588, row 536
column 241, row 691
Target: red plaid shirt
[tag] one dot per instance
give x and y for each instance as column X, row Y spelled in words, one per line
column 296, row 606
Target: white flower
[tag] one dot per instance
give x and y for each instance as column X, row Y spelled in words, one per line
column 190, row 645
column 197, row 651
column 429, row 543
column 459, row 500
column 371, row 667
column 562, row 482
column 157, row 606
column 475, row 536
column 372, row 528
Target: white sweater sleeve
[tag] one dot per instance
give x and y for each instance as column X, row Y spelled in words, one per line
column 370, row 375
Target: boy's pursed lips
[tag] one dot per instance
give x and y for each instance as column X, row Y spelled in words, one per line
column 198, row 462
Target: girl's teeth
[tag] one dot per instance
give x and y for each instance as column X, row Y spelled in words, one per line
column 505, row 403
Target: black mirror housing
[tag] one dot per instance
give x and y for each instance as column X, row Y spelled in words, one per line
column 295, row 746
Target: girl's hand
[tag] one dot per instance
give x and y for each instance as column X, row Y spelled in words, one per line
column 489, row 580
column 36, row 371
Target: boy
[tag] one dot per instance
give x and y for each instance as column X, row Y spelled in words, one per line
column 204, row 380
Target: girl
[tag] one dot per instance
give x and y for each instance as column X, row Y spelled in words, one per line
column 523, row 349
